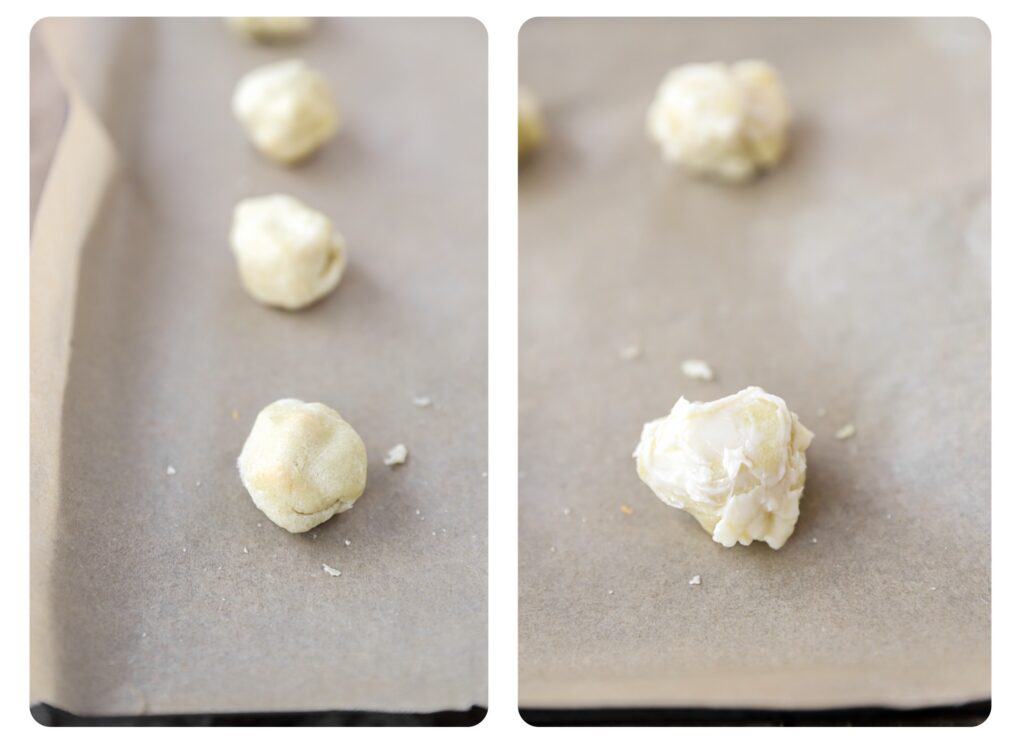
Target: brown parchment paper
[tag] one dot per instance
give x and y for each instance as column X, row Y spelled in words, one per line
column 173, row 593
column 854, row 279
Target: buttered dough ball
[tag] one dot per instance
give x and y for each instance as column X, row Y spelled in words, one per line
column 723, row 121
column 531, row 125
column 302, row 464
column 736, row 464
column 287, row 109
column 271, row 29
column 288, row 254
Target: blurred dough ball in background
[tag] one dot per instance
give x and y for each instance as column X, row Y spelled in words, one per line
column 288, row 254
column 286, row 108
column 302, row 464
column 723, row 121
column 271, row 29
column 531, row 125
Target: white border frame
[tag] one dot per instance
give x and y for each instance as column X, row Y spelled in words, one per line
column 503, row 729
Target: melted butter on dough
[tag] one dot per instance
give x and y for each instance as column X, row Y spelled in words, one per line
column 737, row 465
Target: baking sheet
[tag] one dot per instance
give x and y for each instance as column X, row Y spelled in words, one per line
column 855, row 279
column 157, row 593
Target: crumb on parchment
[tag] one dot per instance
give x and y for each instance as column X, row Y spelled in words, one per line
column 396, row 455
column 698, row 370
column 847, row 431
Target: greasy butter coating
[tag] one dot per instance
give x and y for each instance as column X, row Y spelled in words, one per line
column 737, row 465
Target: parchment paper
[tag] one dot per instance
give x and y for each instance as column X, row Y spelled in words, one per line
column 854, row 279
column 172, row 593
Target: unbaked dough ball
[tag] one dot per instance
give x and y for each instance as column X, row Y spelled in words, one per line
column 302, row 464
column 287, row 109
column 271, row 29
column 736, row 464
column 288, row 254
column 718, row 120
column 531, row 124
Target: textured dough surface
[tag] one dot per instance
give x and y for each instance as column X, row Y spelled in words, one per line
column 286, row 108
column 302, row 464
column 271, row 29
column 736, row 464
column 719, row 120
column 288, row 254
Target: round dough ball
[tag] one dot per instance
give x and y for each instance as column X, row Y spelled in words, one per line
column 288, row 254
column 271, row 29
column 531, row 124
column 302, row 464
column 722, row 121
column 287, row 109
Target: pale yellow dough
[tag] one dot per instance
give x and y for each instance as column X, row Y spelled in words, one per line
column 531, row 123
column 737, row 465
column 271, row 29
column 722, row 121
column 302, row 464
column 288, row 254
column 287, row 109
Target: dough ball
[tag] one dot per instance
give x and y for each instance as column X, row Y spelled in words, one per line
column 531, row 125
column 287, row 109
column 271, row 29
column 302, row 464
column 288, row 254
column 736, row 464
column 723, row 121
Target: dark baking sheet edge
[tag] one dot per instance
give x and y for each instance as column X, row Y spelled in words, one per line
column 965, row 715
column 51, row 716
